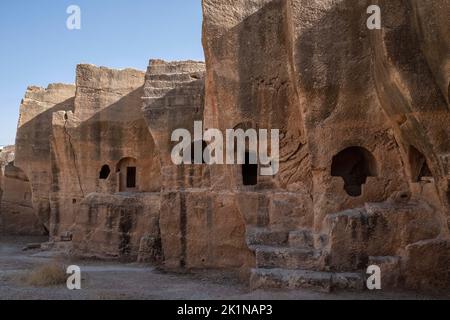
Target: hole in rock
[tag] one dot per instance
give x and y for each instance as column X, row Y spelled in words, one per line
column 354, row 165
column 104, row 173
column 419, row 165
column 249, row 172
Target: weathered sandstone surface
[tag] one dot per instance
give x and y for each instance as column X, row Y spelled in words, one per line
column 365, row 140
column 200, row 227
column 17, row 215
column 364, row 153
column 34, row 130
column 104, row 147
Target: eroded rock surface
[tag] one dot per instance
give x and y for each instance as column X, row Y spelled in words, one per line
column 17, row 215
column 33, row 138
column 363, row 115
column 104, row 147
column 364, row 169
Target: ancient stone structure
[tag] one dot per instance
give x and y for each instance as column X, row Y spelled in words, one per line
column 364, row 114
column 33, row 154
column 365, row 146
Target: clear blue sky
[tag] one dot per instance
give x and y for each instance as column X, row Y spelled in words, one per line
column 36, row 48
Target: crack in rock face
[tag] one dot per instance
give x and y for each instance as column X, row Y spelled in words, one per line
column 363, row 176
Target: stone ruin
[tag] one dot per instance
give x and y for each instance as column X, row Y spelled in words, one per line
column 365, row 150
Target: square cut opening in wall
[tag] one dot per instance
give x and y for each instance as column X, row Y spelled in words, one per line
column 249, row 172
column 131, row 177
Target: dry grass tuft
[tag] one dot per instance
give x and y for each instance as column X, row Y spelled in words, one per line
column 51, row 274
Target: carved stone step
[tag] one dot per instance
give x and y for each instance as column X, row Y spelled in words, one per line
column 305, row 279
column 263, row 236
column 286, row 257
column 390, row 267
column 301, row 238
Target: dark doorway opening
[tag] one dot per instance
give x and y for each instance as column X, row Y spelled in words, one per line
column 448, row 192
column 104, row 172
column 354, row 165
column 249, row 172
column 131, row 177
column 419, row 165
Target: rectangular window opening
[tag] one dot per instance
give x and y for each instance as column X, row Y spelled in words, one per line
column 131, row 177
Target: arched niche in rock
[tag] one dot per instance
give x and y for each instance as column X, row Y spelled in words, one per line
column 354, row 165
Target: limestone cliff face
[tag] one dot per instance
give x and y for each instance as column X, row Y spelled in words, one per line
column 250, row 80
column 338, row 92
column 17, row 215
column 200, row 227
column 430, row 24
column 7, row 155
column 105, row 147
column 410, row 85
column 33, row 140
column 364, row 169
column 303, row 68
column 172, row 99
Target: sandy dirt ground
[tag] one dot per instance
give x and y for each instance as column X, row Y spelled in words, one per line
column 116, row 281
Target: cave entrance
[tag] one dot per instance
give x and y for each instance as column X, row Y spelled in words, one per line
column 354, row 165
column 419, row 166
column 104, row 172
column 249, row 171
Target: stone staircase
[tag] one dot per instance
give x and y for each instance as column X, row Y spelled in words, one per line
column 356, row 239
column 289, row 259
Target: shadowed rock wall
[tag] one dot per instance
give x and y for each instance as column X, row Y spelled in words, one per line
column 363, row 120
column 33, row 140
column 103, row 147
column 364, row 166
